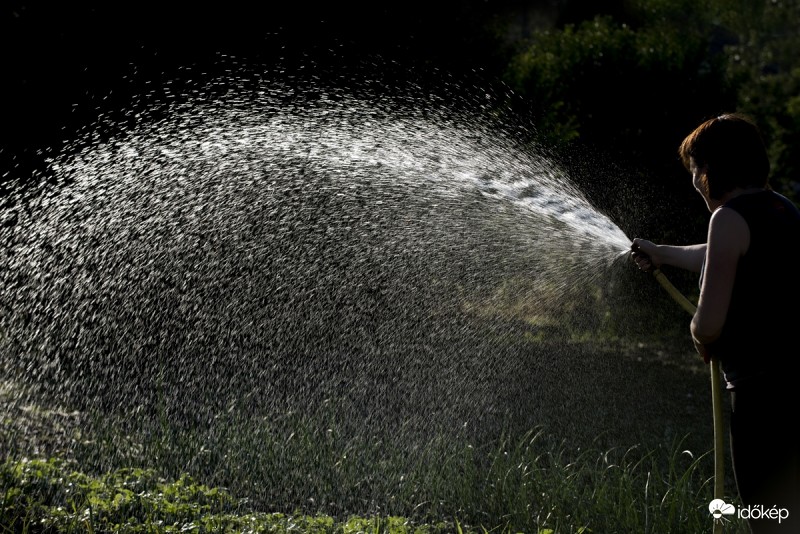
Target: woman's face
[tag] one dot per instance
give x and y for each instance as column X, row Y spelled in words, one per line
column 697, row 182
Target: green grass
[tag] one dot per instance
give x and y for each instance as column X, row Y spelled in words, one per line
column 517, row 485
column 329, row 471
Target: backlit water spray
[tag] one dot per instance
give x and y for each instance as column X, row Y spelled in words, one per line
column 275, row 291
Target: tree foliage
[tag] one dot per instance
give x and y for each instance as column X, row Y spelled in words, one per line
column 634, row 83
column 765, row 67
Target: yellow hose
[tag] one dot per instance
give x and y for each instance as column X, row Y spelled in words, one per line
column 674, row 293
column 716, row 395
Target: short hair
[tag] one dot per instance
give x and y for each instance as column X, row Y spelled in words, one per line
column 731, row 148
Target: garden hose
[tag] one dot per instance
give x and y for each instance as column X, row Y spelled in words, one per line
column 716, row 394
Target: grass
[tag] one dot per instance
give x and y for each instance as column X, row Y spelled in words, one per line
column 331, row 471
column 327, row 471
column 521, row 485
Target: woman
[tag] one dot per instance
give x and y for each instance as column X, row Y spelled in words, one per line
column 747, row 314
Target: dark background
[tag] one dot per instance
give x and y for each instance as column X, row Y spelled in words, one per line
column 62, row 61
column 58, row 58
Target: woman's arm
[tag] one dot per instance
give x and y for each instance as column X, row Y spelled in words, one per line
column 689, row 257
column 728, row 240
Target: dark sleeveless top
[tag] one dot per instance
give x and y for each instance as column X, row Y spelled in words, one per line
column 761, row 336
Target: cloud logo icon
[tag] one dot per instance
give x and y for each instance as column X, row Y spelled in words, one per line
column 718, row 508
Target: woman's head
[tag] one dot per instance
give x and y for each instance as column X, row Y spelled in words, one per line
column 727, row 152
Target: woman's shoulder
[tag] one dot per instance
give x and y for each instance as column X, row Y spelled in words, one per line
column 728, row 229
column 763, row 203
column 783, row 202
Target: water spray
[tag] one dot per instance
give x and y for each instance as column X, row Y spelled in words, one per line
column 716, row 394
column 254, row 260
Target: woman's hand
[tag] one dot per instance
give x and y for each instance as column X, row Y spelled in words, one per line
column 645, row 254
column 702, row 350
